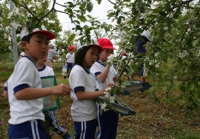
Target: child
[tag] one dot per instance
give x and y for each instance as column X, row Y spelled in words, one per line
column 108, row 121
column 69, row 60
column 48, row 71
column 51, row 54
column 25, row 94
column 82, row 82
column 141, row 51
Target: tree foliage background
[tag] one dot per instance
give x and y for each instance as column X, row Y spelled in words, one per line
column 173, row 55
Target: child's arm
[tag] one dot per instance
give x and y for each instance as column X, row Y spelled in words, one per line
column 81, row 95
column 103, row 76
column 5, row 91
column 34, row 93
column 5, row 94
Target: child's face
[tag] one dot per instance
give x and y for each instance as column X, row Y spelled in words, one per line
column 37, row 48
column 91, row 56
column 103, row 56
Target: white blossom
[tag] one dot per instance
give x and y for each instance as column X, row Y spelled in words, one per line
column 10, row 14
column 175, row 77
column 107, row 95
column 183, row 54
column 157, row 53
column 15, row 25
column 108, row 89
column 110, row 58
column 112, row 99
column 157, row 65
column 103, row 106
column 165, row 28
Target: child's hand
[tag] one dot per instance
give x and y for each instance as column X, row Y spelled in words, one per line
column 115, row 79
column 61, row 89
column 109, row 86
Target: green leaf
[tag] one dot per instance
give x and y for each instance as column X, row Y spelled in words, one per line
column 99, row 1
column 82, row 18
column 71, row 38
column 119, row 20
column 89, row 7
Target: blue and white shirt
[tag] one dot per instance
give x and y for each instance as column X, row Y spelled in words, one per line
column 25, row 75
column 81, row 79
column 97, row 69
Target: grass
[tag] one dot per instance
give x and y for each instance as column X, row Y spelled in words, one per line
column 152, row 121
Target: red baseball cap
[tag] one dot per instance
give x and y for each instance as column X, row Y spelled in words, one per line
column 106, row 43
column 71, row 48
column 37, row 30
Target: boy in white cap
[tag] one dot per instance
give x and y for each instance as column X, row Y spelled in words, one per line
column 108, row 121
column 25, row 94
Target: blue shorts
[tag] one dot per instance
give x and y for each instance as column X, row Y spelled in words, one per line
column 86, row 129
column 27, row 130
column 70, row 65
column 107, row 123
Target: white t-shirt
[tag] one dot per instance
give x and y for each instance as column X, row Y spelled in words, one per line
column 46, row 71
column 97, row 69
column 25, row 75
column 81, row 79
column 70, row 58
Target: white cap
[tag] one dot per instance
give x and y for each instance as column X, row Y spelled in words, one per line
column 25, row 32
column 146, row 33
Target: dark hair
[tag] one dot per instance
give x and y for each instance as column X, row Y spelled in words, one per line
column 27, row 38
column 80, row 54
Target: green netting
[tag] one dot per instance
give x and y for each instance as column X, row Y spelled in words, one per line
column 50, row 102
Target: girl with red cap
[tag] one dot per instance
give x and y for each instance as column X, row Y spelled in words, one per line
column 108, row 121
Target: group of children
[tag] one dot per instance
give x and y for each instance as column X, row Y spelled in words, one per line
column 25, row 93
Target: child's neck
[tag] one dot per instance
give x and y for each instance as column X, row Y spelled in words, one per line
column 101, row 61
column 40, row 66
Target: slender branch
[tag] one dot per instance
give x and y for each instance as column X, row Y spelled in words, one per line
column 181, row 4
column 61, row 5
column 25, row 7
column 65, row 13
column 52, row 9
column 112, row 2
column 184, row 33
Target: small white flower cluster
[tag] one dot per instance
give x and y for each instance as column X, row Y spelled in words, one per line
column 110, row 59
column 108, row 97
column 183, row 54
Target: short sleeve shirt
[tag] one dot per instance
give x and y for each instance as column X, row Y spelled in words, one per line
column 97, row 69
column 25, row 75
column 70, row 58
column 81, row 79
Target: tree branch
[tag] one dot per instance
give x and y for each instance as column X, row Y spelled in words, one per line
column 25, row 7
column 65, row 13
column 181, row 3
column 52, row 9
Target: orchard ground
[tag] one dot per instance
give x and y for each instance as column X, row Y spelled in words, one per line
column 152, row 120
